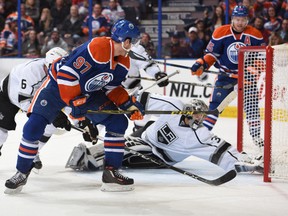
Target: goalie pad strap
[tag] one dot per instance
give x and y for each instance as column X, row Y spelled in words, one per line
column 221, row 149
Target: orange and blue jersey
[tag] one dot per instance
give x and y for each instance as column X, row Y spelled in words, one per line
column 224, row 46
column 26, row 21
column 89, row 68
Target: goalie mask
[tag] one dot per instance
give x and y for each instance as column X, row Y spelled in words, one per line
column 195, row 120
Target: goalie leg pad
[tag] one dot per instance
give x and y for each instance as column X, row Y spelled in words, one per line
column 133, row 161
column 82, row 159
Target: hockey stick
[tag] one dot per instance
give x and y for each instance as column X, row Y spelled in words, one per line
column 136, row 56
column 208, row 85
column 229, row 98
column 221, row 180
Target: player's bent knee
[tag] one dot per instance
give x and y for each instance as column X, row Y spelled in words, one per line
column 34, row 127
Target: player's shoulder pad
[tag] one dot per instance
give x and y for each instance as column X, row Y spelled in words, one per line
column 101, row 49
column 253, row 32
column 221, row 32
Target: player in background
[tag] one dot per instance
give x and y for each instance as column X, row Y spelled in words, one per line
column 17, row 90
column 88, row 79
column 222, row 51
column 171, row 138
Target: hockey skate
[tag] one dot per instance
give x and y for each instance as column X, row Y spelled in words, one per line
column 113, row 181
column 15, row 184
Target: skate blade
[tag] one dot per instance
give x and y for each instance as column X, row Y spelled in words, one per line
column 13, row 191
column 112, row 187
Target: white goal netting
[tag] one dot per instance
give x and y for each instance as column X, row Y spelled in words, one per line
column 263, row 101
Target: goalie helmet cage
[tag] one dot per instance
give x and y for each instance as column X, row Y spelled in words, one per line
column 263, row 106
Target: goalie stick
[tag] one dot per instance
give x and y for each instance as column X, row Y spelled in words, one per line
column 221, row 180
column 136, row 56
column 208, row 85
column 230, row 97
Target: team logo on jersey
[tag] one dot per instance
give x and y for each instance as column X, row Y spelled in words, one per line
column 232, row 51
column 43, row 102
column 165, row 135
column 98, row 82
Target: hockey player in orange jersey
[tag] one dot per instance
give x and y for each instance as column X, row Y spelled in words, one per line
column 222, row 51
column 88, row 79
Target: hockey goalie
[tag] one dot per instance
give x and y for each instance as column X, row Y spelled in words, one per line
column 171, row 138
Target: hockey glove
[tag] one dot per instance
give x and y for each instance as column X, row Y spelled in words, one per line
column 91, row 131
column 79, row 107
column 198, row 67
column 159, row 76
column 136, row 108
column 62, row 121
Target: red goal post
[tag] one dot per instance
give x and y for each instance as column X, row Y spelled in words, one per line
column 263, row 106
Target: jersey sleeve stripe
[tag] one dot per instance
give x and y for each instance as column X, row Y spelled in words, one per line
column 69, row 70
column 65, row 76
column 68, row 82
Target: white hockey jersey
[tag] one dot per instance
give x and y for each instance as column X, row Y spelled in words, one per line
column 174, row 143
column 24, row 80
column 137, row 65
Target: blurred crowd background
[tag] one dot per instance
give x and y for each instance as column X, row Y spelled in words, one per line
column 187, row 25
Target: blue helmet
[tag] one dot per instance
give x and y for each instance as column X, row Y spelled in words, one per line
column 123, row 29
column 240, row 11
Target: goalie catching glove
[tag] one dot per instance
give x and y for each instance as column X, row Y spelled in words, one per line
column 159, row 76
column 136, row 108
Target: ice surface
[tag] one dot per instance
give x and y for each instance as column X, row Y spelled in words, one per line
column 59, row 191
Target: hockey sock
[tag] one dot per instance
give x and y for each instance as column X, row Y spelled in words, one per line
column 210, row 121
column 114, row 150
column 26, row 155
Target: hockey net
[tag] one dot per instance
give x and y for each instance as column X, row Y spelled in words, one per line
column 263, row 106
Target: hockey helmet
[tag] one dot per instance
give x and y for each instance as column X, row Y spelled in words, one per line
column 54, row 54
column 240, row 11
column 124, row 29
column 195, row 120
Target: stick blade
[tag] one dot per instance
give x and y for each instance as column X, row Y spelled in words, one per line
column 224, row 178
column 229, row 98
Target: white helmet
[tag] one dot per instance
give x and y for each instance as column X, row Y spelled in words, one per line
column 54, row 54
